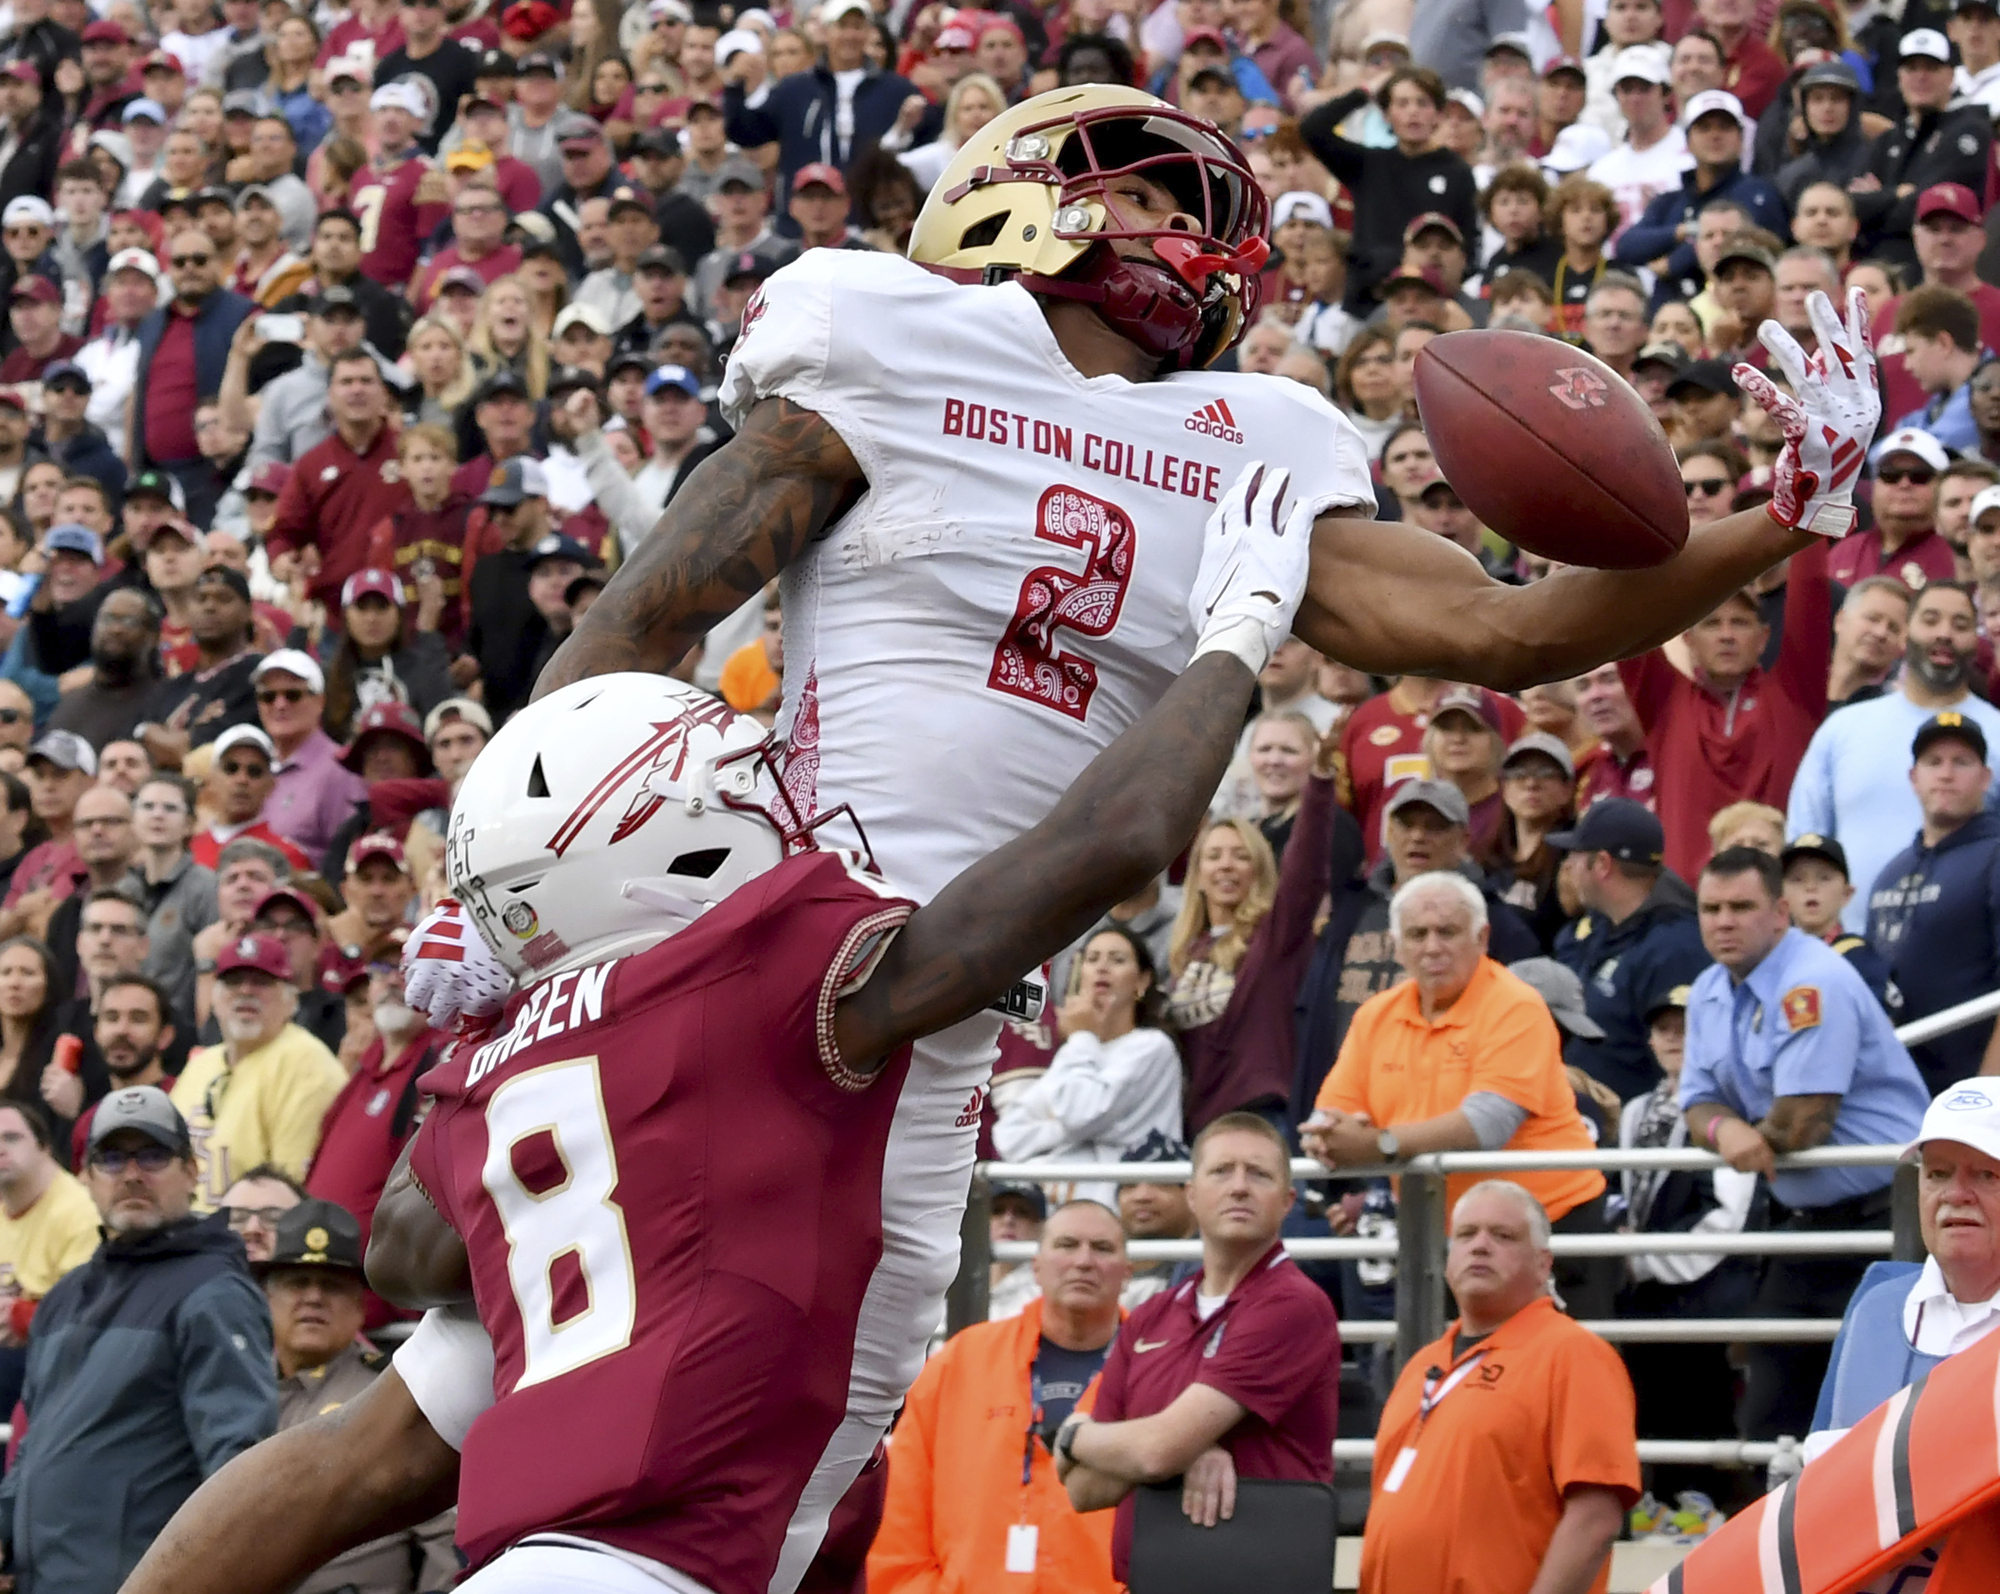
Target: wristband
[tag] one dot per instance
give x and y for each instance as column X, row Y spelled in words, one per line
column 1242, row 639
column 1709, row 1134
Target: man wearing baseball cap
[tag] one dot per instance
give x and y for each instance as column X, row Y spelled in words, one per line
column 1906, row 1317
column 314, row 793
column 241, row 778
column 259, row 1096
column 148, row 1369
column 35, row 314
column 1632, row 942
column 1950, row 234
column 1903, row 542
column 1933, row 143
column 818, row 207
column 1713, row 121
column 1933, row 911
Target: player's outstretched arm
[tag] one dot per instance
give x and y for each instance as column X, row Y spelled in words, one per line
column 738, row 520
column 1395, row 600
column 1122, row 820
column 286, row 1507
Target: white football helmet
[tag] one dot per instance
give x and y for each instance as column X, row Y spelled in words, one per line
column 607, row 816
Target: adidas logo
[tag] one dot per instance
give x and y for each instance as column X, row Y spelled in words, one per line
column 1214, row 420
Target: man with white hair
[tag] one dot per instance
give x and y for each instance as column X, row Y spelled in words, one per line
column 1906, row 1317
column 1516, row 1416
column 1462, row 1056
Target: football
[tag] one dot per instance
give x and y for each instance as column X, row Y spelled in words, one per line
column 1551, row 448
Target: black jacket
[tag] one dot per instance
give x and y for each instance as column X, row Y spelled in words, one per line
column 1628, row 969
column 89, row 453
column 149, row 1369
column 1931, row 147
column 799, row 116
column 1390, row 191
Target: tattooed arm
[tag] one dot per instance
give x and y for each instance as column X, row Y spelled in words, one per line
column 745, row 514
column 1798, row 1123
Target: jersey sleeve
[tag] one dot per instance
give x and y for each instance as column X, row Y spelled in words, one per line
column 1324, row 451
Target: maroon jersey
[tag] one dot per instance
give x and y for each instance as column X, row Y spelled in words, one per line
column 669, row 1187
column 393, row 225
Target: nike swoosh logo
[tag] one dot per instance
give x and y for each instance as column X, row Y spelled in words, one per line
column 1144, row 1345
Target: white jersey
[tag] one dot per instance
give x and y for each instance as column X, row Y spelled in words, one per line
column 1636, row 177
column 1012, row 590
column 1008, row 595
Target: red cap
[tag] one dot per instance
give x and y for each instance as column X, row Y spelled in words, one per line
column 340, row 971
column 103, row 31
column 270, row 477
column 381, row 583
column 162, row 58
column 376, row 844
column 1953, row 199
column 398, row 719
column 999, row 24
column 291, row 895
column 1433, row 218
column 24, row 70
column 528, row 20
column 12, row 396
column 816, row 172
column 1564, row 63
column 264, row 953
column 1212, row 36
column 39, row 289
column 955, row 37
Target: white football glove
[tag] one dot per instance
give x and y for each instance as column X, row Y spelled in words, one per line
column 1828, row 419
column 450, row 972
column 1253, row 569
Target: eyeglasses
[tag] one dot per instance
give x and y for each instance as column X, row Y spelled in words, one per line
column 111, row 929
column 475, row 210
column 148, row 1159
column 180, row 261
column 283, row 694
column 1920, row 476
column 240, row 1218
column 1707, row 486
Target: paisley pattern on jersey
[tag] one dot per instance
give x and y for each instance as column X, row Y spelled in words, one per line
column 1027, row 662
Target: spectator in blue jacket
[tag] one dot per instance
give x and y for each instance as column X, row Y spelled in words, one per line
column 1665, row 230
column 1934, row 912
column 149, row 1368
column 67, row 438
column 828, row 114
column 1907, row 1317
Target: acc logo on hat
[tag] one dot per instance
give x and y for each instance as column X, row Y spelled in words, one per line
column 1967, row 1100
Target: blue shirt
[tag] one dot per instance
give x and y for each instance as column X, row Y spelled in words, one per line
column 1948, row 418
column 1935, row 915
column 1804, row 1024
column 1854, row 785
column 1872, row 1357
column 1628, row 970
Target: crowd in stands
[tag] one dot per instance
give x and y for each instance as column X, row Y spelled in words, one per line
column 350, row 350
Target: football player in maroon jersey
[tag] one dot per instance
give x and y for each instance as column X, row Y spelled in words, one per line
column 689, row 1085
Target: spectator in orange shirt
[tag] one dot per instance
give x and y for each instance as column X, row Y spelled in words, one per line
column 753, row 676
column 1517, row 1419
column 973, row 1501
column 1462, row 1056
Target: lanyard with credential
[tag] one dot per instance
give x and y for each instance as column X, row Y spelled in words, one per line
column 1023, row 1535
column 1436, row 1387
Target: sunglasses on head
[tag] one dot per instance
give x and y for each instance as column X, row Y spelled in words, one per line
column 192, row 260
column 1917, row 475
column 282, row 694
column 1707, row 486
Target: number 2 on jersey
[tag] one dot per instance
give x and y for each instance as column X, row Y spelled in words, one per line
column 1027, row 663
column 550, row 1169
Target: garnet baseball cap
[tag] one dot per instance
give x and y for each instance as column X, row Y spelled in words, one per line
column 1950, row 199
column 287, row 896
column 1950, row 726
column 461, row 279
column 1440, row 795
column 258, row 950
column 1424, row 223
column 105, row 32
column 1465, row 699
column 367, row 583
column 314, row 1234
column 1626, row 829
column 37, row 289
column 146, row 1110
column 1814, row 845
column 163, row 61
column 819, row 174
column 391, row 717
column 269, row 477
column 1968, row 1114
column 65, row 750
column 290, row 661
column 1563, row 63
column 377, row 844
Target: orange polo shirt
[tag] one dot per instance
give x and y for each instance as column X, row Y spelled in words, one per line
column 1546, row 1408
column 1399, row 1067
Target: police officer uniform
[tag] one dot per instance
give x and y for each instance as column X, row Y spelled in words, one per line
column 1803, row 1023
column 1868, row 963
column 1627, row 968
column 316, row 1235
column 1935, row 915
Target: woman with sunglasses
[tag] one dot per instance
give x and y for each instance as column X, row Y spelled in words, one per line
column 1709, row 474
column 637, row 104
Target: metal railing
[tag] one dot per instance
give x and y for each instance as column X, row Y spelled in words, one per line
column 1418, row 1247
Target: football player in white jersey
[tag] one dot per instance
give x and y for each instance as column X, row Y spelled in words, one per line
column 984, row 475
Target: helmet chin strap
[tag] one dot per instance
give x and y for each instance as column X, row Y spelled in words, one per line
column 1139, row 299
